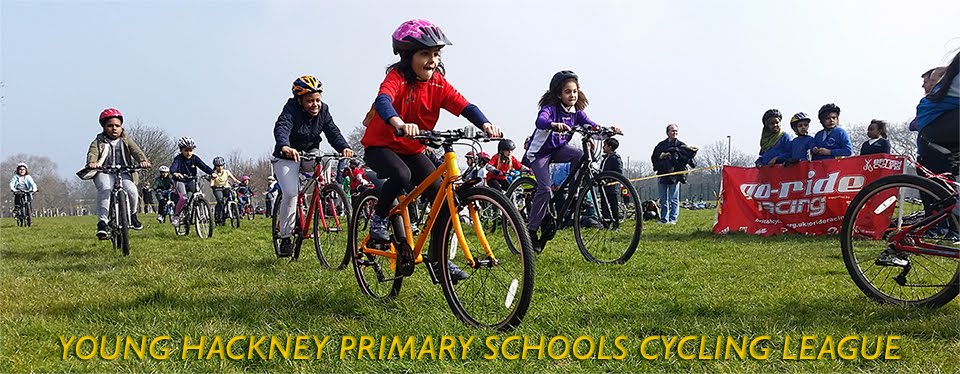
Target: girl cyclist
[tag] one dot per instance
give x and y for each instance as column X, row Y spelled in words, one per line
column 303, row 118
column 22, row 181
column 184, row 170
column 410, row 99
column 220, row 184
column 561, row 109
column 501, row 164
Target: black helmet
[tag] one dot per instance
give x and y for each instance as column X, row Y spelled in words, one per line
column 827, row 109
column 506, row 144
column 219, row 161
column 770, row 113
column 559, row 78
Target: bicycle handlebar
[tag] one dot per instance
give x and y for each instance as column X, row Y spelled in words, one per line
column 116, row 169
column 448, row 136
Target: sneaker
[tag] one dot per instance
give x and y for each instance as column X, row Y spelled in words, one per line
column 592, row 223
column 456, row 274
column 101, row 230
column 135, row 223
column 537, row 247
column 661, row 222
column 286, row 247
column 379, row 229
column 160, row 218
column 889, row 258
column 671, row 222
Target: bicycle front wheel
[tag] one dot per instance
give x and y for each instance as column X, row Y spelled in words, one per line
column 498, row 290
column 201, row 218
column 375, row 274
column 884, row 225
column 604, row 233
column 521, row 193
column 330, row 219
column 123, row 224
column 234, row 210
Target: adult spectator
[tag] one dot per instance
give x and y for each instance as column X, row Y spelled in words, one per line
column 669, row 156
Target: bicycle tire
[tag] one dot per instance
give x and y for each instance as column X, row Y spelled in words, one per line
column 28, row 213
column 296, row 236
column 331, row 217
column 371, row 271
column 123, row 223
column 872, row 288
column 201, row 218
column 234, row 209
column 275, row 226
column 112, row 224
column 520, row 193
column 607, row 250
column 510, row 302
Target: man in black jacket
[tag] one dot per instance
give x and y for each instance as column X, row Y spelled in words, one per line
column 671, row 155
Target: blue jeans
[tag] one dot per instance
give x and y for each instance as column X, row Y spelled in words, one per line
column 669, row 201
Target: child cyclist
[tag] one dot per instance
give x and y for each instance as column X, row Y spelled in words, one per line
column 561, row 109
column 410, row 99
column 112, row 147
column 833, row 141
column 220, row 184
column 501, row 164
column 298, row 130
column 184, row 171
column 162, row 186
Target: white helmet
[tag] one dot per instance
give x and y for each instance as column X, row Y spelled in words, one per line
column 186, row 142
column 164, row 169
column 22, row 164
column 271, row 178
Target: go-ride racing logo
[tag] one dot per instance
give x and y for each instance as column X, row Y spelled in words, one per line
column 801, row 196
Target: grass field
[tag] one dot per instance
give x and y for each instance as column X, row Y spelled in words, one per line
column 57, row 280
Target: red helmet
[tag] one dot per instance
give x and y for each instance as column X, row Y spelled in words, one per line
column 110, row 113
column 484, row 156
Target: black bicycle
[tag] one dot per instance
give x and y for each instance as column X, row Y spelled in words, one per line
column 602, row 207
column 195, row 212
column 22, row 209
column 118, row 215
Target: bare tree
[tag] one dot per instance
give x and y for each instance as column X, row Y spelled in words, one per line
column 156, row 143
column 353, row 138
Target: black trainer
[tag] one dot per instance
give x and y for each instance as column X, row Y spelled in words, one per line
column 135, row 223
column 286, row 247
column 456, row 274
column 101, row 230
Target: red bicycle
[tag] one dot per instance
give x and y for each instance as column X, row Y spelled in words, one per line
column 899, row 238
column 322, row 203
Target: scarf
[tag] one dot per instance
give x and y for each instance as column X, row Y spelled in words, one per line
column 769, row 138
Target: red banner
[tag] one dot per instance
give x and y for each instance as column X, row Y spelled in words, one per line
column 807, row 198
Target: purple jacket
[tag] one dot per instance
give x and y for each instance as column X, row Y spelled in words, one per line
column 544, row 140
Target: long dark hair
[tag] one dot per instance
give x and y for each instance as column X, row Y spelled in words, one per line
column 405, row 67
column 553, row 98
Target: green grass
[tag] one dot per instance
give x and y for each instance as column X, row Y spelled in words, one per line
column 57, row 280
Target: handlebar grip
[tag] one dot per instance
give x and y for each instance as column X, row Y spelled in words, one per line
column 399, row 132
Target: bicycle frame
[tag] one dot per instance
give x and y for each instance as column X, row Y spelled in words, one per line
column 316, row 181
column 448, row 173
column 899, row 239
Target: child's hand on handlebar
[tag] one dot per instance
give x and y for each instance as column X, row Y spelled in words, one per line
column 347, row 152
column 409, row 129
column 560, row 127
column 290, row 153
column 616, row 130
column 93, row 165
column 145, row 164
column 491, row 130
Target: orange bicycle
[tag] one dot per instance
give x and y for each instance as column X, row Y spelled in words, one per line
column 498, row 290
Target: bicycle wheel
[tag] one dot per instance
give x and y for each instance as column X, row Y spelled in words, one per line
column 275, row 226
column 28, row 214
column 883, row 269
column 296, row 236
column 498, row 291
column 201, row 218
column 330, row 219
column 520, row 193
column 249, row 212
column 603, row 233
column 123, row 223
column 376, row 275
column 234, row 211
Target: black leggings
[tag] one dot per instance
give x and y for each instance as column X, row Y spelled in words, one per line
column 219, row 193
column 500, row 184
column 402, row 173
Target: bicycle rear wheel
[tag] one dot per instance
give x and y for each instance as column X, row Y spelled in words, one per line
column 879, row 265
column 330, row 220
column 376, row 275
column 521, row 193
column 201, row 218
column 498, row 291
column 604, row 234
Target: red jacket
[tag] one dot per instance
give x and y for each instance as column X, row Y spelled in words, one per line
column 504, row 167
column 419, row 103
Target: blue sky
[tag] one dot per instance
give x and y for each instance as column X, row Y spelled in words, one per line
column 220, row 71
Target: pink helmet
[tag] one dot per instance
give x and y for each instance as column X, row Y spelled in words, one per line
column 244, row 178
column 110, row 113
column 418, row 34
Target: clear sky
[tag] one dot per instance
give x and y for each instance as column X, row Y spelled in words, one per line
column 220, row 71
